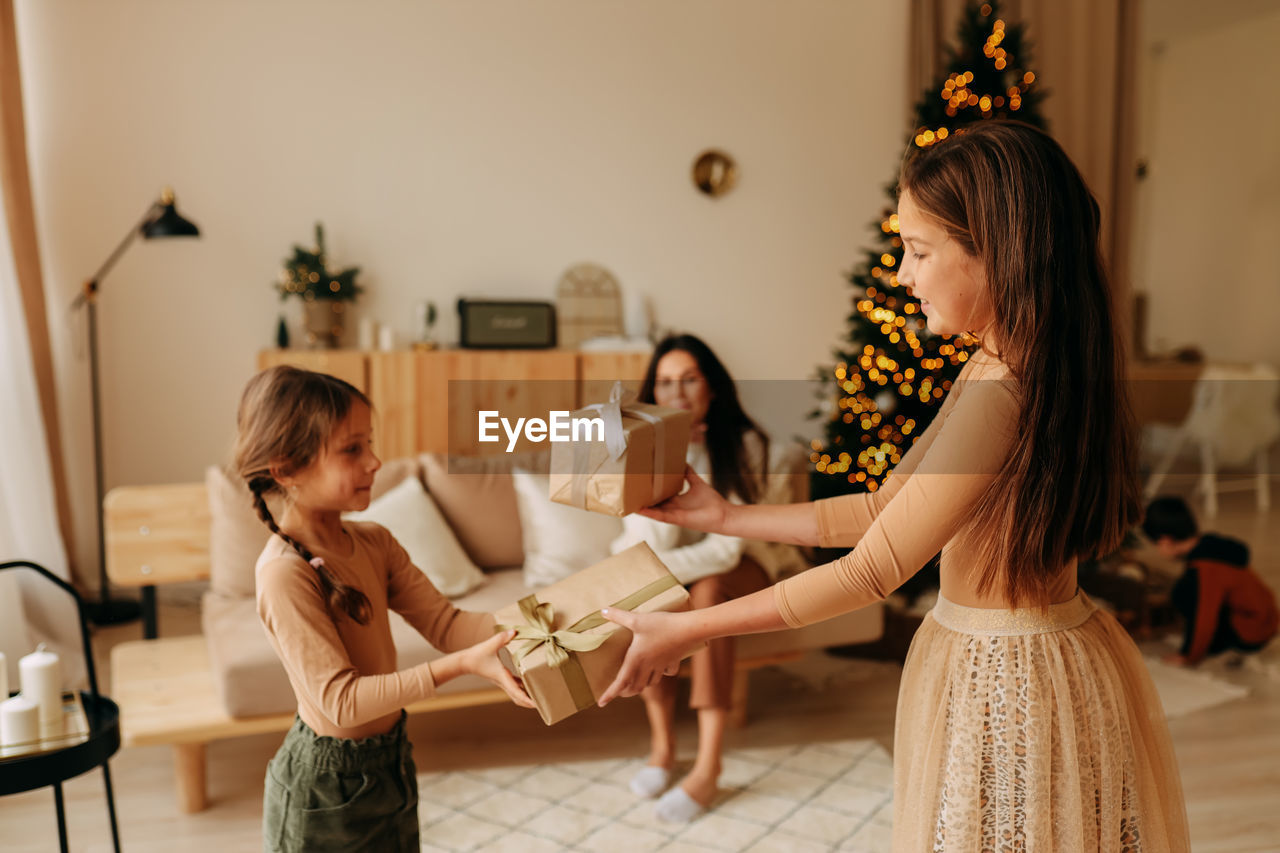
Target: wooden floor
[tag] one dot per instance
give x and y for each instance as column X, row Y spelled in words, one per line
column 1228, row 754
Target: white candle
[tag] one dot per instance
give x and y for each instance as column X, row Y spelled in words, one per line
column 19, row 721
column 42, row 681
column 368, row 333
column 387, row 339
column 637, row 314
column 4, row 678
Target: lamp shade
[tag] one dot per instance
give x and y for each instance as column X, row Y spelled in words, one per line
column 167, row 222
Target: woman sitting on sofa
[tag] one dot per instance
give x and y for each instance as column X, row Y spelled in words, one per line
column 730, row 451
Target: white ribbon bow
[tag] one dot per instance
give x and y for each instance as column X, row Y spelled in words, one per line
column 615, row 437
column 615, row 441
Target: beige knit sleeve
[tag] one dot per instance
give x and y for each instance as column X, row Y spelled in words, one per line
column 843, row 520
column 293, row 611
column 929, row 506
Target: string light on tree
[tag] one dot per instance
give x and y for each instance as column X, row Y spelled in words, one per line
column 891, row 373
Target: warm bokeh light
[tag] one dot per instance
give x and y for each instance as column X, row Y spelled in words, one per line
column 898, row 372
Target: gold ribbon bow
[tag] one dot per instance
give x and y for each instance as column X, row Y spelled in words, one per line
column 537, row 632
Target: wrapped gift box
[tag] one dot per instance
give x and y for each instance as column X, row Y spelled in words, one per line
column 639, row 461
column 566, row 653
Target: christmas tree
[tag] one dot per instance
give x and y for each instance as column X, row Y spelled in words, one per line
column 891, row 373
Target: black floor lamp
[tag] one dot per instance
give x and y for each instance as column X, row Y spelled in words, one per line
column 160, row 220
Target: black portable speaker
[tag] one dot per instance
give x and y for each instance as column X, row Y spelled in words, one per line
column 506, row 324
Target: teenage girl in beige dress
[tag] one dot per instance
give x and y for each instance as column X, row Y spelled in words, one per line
column 1026, row 719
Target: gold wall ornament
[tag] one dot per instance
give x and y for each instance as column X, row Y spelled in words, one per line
column 714, row 172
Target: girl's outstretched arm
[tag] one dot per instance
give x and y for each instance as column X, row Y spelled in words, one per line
column 834, row 522
column 701, row 507
column 661, row 640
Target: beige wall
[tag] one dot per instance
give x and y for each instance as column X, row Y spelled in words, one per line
column 1207, row 241
column 451, row 149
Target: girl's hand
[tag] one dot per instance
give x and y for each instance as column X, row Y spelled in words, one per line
column 482, row 660
column 659, row 642
column 699, row 508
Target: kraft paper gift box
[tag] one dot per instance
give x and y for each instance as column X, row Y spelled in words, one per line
column 639, row 462
column 564, row 651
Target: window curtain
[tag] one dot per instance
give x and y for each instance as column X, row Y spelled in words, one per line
column 33, row 505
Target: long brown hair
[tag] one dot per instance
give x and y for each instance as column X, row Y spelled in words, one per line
column 732, row 471
column 286, row 415
column 1011, row 197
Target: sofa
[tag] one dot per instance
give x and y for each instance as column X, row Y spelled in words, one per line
column 479, row 502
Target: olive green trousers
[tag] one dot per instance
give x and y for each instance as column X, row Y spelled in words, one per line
column 327, row 793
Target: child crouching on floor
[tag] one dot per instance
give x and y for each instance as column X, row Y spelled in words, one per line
column 1225, row 605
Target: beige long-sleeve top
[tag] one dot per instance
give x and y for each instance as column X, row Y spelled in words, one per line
column 920, row 509
column 343, row 673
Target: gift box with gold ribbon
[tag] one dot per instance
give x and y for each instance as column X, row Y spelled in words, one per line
column 637, row 462
column 564, row 650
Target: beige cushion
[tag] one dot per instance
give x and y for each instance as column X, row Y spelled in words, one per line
column 252, row 681
column 479, row 502
column 249, row 677
column 236, row 534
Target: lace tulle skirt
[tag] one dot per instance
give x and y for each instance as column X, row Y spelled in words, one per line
column 1019, row 730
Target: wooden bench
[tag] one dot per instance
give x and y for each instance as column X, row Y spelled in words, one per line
column 165, row 686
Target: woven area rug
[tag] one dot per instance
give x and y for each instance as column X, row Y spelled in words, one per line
column 820, row 796
column 1183, row 691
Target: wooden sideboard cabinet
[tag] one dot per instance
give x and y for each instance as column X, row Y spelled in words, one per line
column 429, row 401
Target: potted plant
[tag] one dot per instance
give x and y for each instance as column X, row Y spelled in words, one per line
column 325, row 294
column 426, row 326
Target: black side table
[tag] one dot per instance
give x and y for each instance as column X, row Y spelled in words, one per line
column 52, row 767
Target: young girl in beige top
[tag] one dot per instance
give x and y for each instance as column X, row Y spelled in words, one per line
column 1026, row 719
column 344, row 777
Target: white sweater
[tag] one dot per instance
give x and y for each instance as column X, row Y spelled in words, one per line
column 690, row 554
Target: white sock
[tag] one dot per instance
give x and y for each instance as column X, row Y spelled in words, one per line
column 650, row 781
column 676, row 806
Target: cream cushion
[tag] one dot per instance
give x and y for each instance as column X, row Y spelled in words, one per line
column 558, row 540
